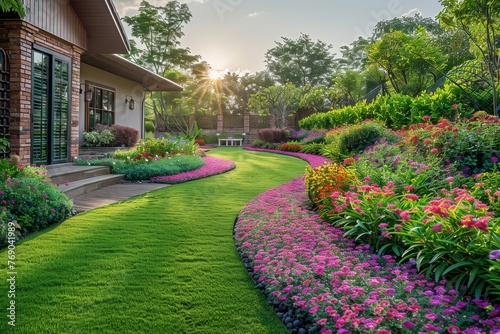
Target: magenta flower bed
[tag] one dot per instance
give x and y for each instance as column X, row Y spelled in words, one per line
column 339, row 287
column 212, row 166
column 313, row 160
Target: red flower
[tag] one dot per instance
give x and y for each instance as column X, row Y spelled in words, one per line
column 453, row 329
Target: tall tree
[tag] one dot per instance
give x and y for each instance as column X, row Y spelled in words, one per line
column 279, row 102
column 158, row 30
column 480, row 21
column 301, row 61
column 412, row 63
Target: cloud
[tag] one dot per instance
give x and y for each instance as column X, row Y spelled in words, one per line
column 256, row 14
column 412, row 13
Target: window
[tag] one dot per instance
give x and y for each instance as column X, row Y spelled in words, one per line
column 101, row 108
column 51, row 109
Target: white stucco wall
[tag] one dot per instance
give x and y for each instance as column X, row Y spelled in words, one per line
column 123, row 115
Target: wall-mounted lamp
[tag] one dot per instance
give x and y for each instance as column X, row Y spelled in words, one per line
column 88, row 95
column 131, row 102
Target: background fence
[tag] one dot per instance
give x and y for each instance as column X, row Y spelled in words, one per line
column 231, row 125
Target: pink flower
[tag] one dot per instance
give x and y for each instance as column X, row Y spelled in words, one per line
column 453, row 329
column 411, row 197
column 405, row 215
column 437, row 227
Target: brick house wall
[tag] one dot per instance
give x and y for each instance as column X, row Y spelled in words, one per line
column 17, row 39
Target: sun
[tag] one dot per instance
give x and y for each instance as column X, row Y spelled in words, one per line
column 215, row 74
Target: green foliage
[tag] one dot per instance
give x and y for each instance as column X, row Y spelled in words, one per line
column 166, row 147
column 98, row 138
column 387, row 162
column 346, row 141
column 28, row 196
column 166, row 166
column 145, row 166
column 300, row 61
column 395, row 111
column 276, row 101
column 409, row 200
column 4, row 145
column 10, row 168
column 409, row 60
column 478, row 19
column 16, row 6
column 149, row 126
column 471, row 146
column 313, row 148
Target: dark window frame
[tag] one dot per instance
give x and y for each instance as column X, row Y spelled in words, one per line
column 99, row 106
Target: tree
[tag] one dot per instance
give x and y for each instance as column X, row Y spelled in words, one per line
column 407, row 24
column 301, row 61
column 16, row 6
column 317, row 98
column 159, row 30
column 412, row 63
column 480, row 21
column 276, row 101
column 355, row 56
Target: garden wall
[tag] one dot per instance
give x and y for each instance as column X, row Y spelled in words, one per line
column 231, row 125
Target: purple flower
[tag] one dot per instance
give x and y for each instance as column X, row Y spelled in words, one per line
column 494, row 159
column 495, row 254
column 408, row 324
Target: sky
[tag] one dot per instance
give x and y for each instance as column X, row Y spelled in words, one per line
column 234, row 35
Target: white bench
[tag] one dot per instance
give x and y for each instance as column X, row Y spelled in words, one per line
column 231, row 142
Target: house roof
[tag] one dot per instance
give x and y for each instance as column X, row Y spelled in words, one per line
column 122, row 67
column 105, row 32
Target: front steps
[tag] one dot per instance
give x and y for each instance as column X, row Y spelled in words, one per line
column 75, row 180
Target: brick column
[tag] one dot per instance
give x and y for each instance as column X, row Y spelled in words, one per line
column 75, row 102
column 20, row 37
column 220, row 123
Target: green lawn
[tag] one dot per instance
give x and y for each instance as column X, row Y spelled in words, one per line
column 164, row 262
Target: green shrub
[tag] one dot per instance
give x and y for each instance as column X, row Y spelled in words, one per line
column 166, row 147
column 394, row 111
column 98, row 138
column 33, row 200
column 346, row 141
column 313, row 148
column 166, row 166
column 149, row 126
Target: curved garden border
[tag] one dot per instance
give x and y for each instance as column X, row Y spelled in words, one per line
column 320, row 282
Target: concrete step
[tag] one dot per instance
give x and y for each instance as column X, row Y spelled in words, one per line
column 86, row 185
column 68, row 172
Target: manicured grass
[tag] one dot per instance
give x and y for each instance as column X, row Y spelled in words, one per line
column 164, row 262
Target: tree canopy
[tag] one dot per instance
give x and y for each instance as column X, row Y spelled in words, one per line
column 301, row 61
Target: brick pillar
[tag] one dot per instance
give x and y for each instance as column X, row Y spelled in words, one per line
column 20, row 37
column 220, row 123
column 246, row 126
column 75, row 102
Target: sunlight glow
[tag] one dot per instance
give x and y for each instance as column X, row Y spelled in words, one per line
column 215, row 74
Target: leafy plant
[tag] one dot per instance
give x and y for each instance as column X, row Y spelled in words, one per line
column 28, row 196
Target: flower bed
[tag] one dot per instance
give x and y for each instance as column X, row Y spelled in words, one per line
column 334, row 286
column 212, row 166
